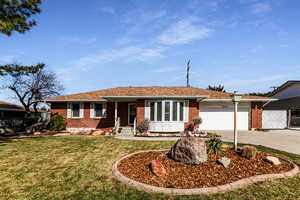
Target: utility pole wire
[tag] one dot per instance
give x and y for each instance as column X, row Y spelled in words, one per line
column 188, row 74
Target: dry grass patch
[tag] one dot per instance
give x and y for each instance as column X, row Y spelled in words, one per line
column 79, row 167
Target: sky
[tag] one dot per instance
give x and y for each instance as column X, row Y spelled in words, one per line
column 245, row 45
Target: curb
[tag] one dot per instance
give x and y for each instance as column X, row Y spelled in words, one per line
column 209, row 190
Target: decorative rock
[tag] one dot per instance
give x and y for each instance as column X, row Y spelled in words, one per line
column 273, row 160
column 37, row 133
column 98, row 132
column 84, row 132
column 2, row 131
column 224, row 161
column 157, row 168
column 189, row 150
column 248, row 152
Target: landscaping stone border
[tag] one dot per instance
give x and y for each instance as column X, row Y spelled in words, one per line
column 209, row 190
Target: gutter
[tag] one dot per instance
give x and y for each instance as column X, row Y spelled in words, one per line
column 156, row 97
column 75, row 100
column 242, row 100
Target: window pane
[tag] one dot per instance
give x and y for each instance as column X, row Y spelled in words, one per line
column 159, row 111
column 98, row 110
column 174, row 111
column 152, row 110
column 75, row 110
column 181, row 111
column 167, row 111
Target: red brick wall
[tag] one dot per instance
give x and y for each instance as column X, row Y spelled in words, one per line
column 86, row 121
column 193, row 109
column 140, row 111
column 256, row 114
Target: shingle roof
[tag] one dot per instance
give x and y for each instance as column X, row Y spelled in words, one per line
column 9, row 106
column 150, row 91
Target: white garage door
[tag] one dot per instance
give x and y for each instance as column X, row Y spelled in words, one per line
column 220, row 116
column 274, row 119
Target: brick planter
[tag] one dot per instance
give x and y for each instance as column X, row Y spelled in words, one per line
column 209, row 190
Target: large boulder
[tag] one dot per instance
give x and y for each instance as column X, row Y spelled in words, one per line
column 189, row 150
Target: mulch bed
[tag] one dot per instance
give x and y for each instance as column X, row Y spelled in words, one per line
column 206, row 174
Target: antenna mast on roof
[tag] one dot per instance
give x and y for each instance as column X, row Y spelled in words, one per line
column 188, row 74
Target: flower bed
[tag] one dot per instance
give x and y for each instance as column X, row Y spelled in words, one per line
column 207, row 177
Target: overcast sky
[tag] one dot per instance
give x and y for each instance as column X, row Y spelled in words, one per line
column 246, row 45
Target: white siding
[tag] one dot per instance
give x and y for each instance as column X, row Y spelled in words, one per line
column 274, row 119
column 289, row 92
column 166, row 127
column 219, row 116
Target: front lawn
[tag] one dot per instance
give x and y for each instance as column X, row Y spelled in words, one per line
column 79, row 167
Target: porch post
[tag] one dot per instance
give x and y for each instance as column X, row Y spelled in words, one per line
column 116, row 111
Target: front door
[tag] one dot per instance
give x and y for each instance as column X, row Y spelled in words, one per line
column 131, row 113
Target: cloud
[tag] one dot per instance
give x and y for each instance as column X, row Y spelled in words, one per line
column 126, row 54
column 77, row 40
column 183, row 32
column 7, row 59
column 139, row 22
column 165, row 69
column 260, row 80
column 260, row 8
column 108, row 10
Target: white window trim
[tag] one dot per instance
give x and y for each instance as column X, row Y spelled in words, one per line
column 93, row 113
column 185, row 110
column 70, row 110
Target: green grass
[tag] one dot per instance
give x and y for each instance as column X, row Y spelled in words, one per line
column 79, row 167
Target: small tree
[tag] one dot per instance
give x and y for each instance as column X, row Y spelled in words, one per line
column 32, row 85
column 15, row 15
column 219, row 88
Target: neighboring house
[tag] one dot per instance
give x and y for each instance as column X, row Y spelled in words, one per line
column 12, row 114
column 11, row 111
column 169, row 109
column 284, row 113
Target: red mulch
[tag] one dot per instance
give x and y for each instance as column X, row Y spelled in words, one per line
column 207, row 174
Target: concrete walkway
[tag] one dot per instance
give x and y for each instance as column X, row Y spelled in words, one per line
column 285, row 140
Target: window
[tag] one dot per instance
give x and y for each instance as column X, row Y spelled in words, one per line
column 98, row 110
column 75, row 110
column 152, row 111
column 159, row 111
column 181, row 111
column 175, row 104
column 166, row 110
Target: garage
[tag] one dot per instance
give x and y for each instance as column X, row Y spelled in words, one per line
column 219, row 116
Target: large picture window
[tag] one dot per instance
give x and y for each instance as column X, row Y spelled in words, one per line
column 166, row 110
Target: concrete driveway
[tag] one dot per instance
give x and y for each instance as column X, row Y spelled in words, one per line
column 285, row 140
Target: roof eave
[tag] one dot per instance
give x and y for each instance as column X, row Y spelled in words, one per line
column 156, row 97
column 75, row 100
column 242, row 100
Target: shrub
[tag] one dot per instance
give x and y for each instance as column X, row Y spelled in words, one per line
column 143, row 126
column 197, row 121
column 248, row 152
column 58, row 123
column 214, row 145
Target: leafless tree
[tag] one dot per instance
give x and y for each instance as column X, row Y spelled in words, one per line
column 31, row 88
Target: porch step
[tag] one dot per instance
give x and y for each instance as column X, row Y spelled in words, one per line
column 125, row 131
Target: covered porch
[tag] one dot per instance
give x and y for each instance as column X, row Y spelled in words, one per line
column 166, row 115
